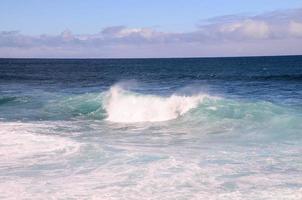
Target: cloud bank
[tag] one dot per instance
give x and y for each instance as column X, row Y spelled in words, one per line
column 274, row 33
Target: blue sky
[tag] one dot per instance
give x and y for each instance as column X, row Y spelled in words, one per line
column 90, row 16
column 140, row 19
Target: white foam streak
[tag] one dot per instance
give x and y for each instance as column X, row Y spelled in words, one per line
column 21, row 142
column 126, row 107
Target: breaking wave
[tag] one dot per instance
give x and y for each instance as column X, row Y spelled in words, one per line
column 120, row 105
column 124, row 106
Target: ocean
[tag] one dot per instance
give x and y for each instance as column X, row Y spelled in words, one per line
column 179, row 128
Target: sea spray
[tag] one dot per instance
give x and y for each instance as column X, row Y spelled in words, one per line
column 127, row 107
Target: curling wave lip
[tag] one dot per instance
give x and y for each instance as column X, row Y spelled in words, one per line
column 126, row 107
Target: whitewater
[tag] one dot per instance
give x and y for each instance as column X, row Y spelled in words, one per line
column 123, row 107
column 151, row 129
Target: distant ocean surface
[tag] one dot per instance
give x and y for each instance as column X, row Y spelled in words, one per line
column 194, row 128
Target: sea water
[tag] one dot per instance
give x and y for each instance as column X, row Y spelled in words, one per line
column 194, row 128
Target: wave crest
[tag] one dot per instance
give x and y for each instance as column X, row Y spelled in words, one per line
column 127, row 107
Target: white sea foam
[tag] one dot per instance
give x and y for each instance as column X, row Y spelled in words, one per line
column 36, row 164
column 127, row 107
column 22, row 142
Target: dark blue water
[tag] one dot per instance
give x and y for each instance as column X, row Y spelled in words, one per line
column 185, row 128
column 228, row 75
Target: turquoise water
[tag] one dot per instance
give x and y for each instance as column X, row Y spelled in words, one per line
column 219, row 128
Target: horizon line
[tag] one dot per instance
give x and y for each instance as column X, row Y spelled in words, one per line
column 137, row 58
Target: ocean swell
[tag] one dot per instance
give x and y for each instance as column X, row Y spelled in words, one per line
column 120, row 105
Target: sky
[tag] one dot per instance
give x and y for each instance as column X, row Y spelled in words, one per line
column 157, row 28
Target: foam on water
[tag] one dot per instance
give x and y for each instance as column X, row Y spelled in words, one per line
column 127, row 107
column 36, row 164
column 217, row 148
column 22, row 145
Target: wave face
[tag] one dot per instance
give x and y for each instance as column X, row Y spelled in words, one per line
column 124, row 106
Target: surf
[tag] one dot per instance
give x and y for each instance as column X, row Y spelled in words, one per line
column 128, row 107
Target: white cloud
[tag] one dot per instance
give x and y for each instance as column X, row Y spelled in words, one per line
column 67, row 35
column 123, row 32
column 248, row 28
column 281, row 32
column 144, row 32
column 295, row 28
